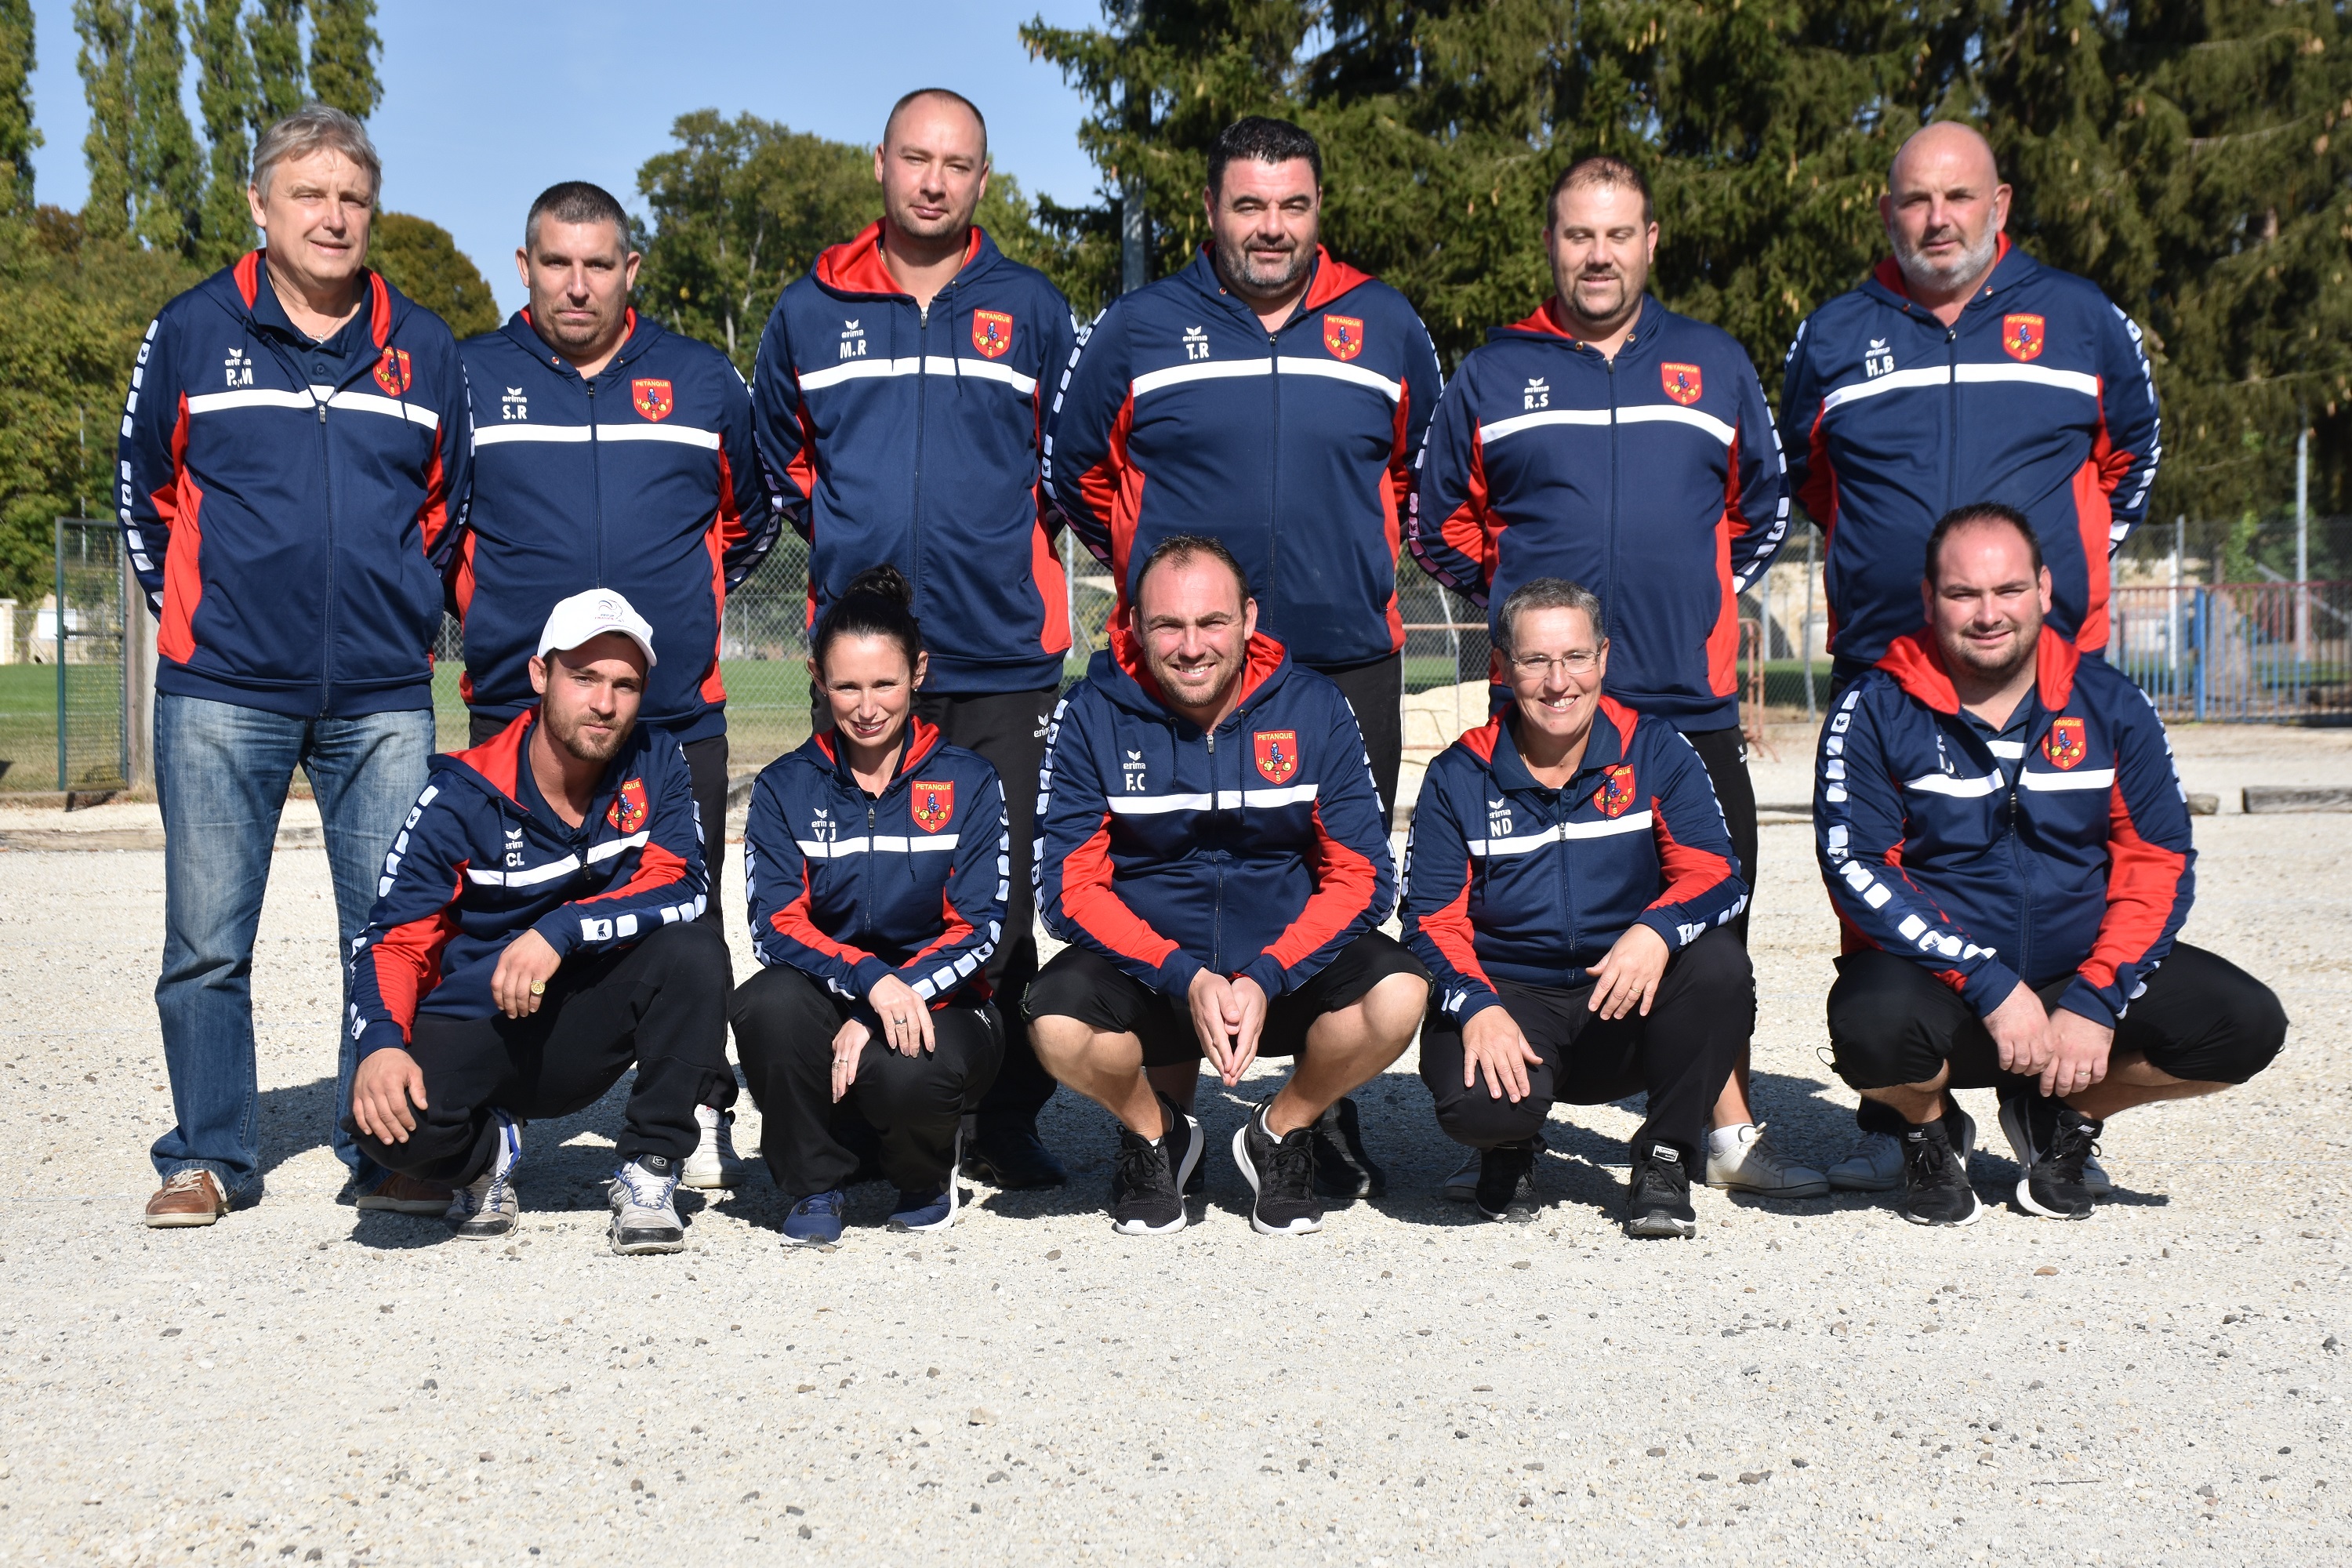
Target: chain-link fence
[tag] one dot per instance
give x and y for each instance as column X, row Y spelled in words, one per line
column 63, row 699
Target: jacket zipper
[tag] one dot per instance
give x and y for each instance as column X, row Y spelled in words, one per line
column 1274, row 469
column 1952, row 409
column 1608, row 593
column 327, row 614
column 595, row 488
column 922, row 418
column 1217, row 905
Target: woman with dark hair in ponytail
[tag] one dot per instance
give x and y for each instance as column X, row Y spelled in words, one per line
column 874, row 863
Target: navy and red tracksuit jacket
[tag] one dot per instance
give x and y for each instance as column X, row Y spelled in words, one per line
column 850, row 889
column 474, row 867
column 645, row 479
column 1255, row 849
column 1508, row 878
column 1653, row 479
column 2038, row 397
column 2083, row 866
column 291, row 534
column 911, row 435
column 1183, row 414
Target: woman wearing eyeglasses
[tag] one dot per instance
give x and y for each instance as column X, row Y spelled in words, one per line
column 874, row 867
column 1568, row 884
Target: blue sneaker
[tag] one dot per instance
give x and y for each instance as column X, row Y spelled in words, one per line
column 926, row 1211
column 816, row 1220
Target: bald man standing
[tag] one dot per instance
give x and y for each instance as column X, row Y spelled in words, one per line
column 1960, row 372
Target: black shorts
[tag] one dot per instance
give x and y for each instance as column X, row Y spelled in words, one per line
column 1079, row 984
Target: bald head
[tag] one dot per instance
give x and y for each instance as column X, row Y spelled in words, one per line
column 1945, row 208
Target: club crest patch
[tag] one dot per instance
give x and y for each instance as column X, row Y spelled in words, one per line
column 2065, row 745
column 1683, row 382
column 934, row 804
column 1616, row 791
column 991, row 333
column 628, row 812
column 1344, row 336
column 2021, row 337
column 1278, row 754
column 392, row 372
column 651, row 398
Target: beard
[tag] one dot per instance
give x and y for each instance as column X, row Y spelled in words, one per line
column 1971, row 263
column 1239, row 268
column 1221, row 676
column 1959, row 651
column 568, row 732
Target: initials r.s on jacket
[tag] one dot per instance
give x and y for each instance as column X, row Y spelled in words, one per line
column 291, row 535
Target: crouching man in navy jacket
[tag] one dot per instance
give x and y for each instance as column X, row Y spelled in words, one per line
column 1571, row 884
column 2007, row 845
column 537, row 933
column 1211, row 848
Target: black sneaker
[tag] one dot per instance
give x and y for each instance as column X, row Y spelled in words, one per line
column 1281, row 1172
column 2054, row 1141
column 1342, row 1169
column 1936, row 1189
column 1657, row 1203
column 1506, row 1181
column 1011, row 1158
column 1150, row 1176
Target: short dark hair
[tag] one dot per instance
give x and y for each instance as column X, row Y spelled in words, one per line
column 1262, row 140
column 1600, row 169
column 1961, row 517
column 947, row 92
column 1179, row 548
column 1548, row 594
column 577, row 201
column 878, row 602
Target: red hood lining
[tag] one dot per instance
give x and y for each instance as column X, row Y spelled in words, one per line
column 922, row 740
column 1332, row 279
column 1918, row 668
column 246, row 275
column 857, row 267
column 1265, row 657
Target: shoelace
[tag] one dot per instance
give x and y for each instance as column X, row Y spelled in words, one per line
column 1932, row 1158
column 1653, row 1188
column 1140, row 1163
column 823, row 1202
column 184, row 1181
column 1292, row 1165
column 627, row 1175
column 2077, row 1140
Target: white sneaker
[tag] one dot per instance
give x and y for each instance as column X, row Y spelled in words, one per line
column 1754, row 1165
column 644, row 1195
column 488, row 1208
column 1874, row 1166
column 714, row 1162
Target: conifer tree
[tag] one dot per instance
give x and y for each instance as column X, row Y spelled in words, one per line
column 105, row 66
column 18, row 135
column 273, row 35
column 224, row 91
column 167, row 169
column 344, row 46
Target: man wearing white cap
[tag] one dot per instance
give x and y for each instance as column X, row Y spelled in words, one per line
column 535, row 935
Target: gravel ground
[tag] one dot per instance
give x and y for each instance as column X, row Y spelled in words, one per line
column 305, row 1384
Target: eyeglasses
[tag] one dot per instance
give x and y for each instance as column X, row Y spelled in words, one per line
column 1536, row 666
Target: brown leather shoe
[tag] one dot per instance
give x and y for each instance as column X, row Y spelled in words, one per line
column 407, row 1195
column 193, row 1196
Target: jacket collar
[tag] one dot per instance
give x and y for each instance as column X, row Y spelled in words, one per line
column 1918, row 666
column 497, row 765
column 1326, row 283
column 250, row 276
column 1495, row 744
column 922, row 740
column 857, row 267
column 637, row 336
column 2009, row 268
column 1120, row 671
column 1547, row 323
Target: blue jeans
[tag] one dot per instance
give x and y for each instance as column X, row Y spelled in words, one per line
column 221, row 774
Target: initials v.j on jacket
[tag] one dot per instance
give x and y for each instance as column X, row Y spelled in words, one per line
column 1184, row 415
column 644, row 479
column 483, row 858
column 1256, row 848
column 850, row 887
column 2038, row 397
column 2074, row 858
column 1654, row 479
column 1505, row 878
column 909, row 434
column 289, row 531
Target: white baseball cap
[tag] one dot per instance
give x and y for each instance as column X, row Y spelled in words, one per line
column 584, row 618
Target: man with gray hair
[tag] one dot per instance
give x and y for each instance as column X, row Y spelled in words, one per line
column 1960, row 370
column 290, row 454
column 1570, row 886
column 610, row 452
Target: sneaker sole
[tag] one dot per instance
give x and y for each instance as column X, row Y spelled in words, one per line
column 2025, row 1201
column 403, row 1205
column 1797, row 1190
column 180, row 1221
column 1855, row 1184
column 1975, row 1214
column 636, row 1248
column 1661, row 1227
column 815, row 1244
column 1302, row 1225
column 710, row 1181
column 1183, row 1215
column 485, row 1230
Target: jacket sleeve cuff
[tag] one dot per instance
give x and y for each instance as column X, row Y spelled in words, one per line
column 1662, row 919
column 560, row 929
column 2084, row 998
column 1475, row 1000
column 1989, row 987
column 1176, row 974
column 1266, row 970
column 870, row 972
column 380, row 1035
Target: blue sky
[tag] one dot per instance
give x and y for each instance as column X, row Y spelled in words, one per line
column 488, row 103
